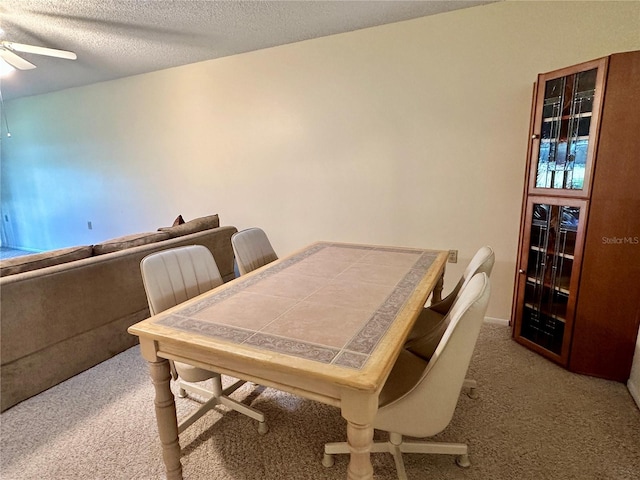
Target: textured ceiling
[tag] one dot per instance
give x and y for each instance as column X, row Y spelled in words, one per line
column 118, row 38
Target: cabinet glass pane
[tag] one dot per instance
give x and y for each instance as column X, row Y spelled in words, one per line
column 564, row 133
column 548, row 277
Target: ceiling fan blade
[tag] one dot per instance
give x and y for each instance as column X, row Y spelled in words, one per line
column 15, row 60
column 49, row 52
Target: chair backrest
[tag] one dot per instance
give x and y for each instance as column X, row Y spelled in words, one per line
column 176, row 275
column 252, row 249
column 427, row 408
column 482, row 262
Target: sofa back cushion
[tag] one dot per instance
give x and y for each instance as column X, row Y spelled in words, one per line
column 128, row 241
column 43, row 308
column 36, row 261
column 192, row 226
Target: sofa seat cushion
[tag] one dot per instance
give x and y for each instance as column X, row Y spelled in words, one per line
column 128, row 241
column 192, row 226
column 36, row 261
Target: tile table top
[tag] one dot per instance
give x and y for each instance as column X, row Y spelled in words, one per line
column 330, row 303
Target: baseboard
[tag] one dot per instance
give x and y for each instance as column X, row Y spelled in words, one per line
column 634, row 390
column 499, row 321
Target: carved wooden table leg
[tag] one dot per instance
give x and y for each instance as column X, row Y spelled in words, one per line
column 166, row 418
column 359, row 410
column 165, row 409
column 437, row 290
column 359, row 438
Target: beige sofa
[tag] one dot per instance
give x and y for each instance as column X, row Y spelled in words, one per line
column 58, row 320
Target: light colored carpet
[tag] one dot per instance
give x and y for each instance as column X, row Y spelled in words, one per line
column 533, row 420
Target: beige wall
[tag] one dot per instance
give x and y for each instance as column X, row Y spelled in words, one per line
column 412, row 134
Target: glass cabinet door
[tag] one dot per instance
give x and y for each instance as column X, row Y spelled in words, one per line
column 548, row 275
column 565, row 113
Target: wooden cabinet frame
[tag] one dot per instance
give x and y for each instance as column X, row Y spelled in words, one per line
column 522, row 277
column 536, row 133
column 602, row 313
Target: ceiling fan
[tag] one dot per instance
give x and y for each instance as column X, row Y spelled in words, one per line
column 8, row 49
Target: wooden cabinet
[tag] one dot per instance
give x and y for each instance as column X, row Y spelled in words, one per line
column 577, row 289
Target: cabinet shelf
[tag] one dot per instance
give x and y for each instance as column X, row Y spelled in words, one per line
column 567, row 117
column 568, row 256
column 536, row 281
column 580, row 138
column 546, row 314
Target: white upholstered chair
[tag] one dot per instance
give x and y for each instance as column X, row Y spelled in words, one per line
column 432, row 322
column 252, row 249
column 419, row 397
column 174, row 276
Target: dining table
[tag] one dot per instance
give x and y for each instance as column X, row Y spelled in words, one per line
column 326, row 323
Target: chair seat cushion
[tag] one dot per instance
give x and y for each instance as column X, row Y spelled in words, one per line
column 192, row 374
column 404, row 376
column 426, row 334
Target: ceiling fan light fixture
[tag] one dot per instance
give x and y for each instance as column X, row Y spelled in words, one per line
column 49, row 52
column 8, row 54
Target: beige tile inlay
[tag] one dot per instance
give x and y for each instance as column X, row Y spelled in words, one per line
column 340, row 254
column 380, row 274
column 246, row 310
column 382, row 257
column 318, row 267
column 357, row 295
column 330, row 303
column 283, row 284
column 326, row 325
